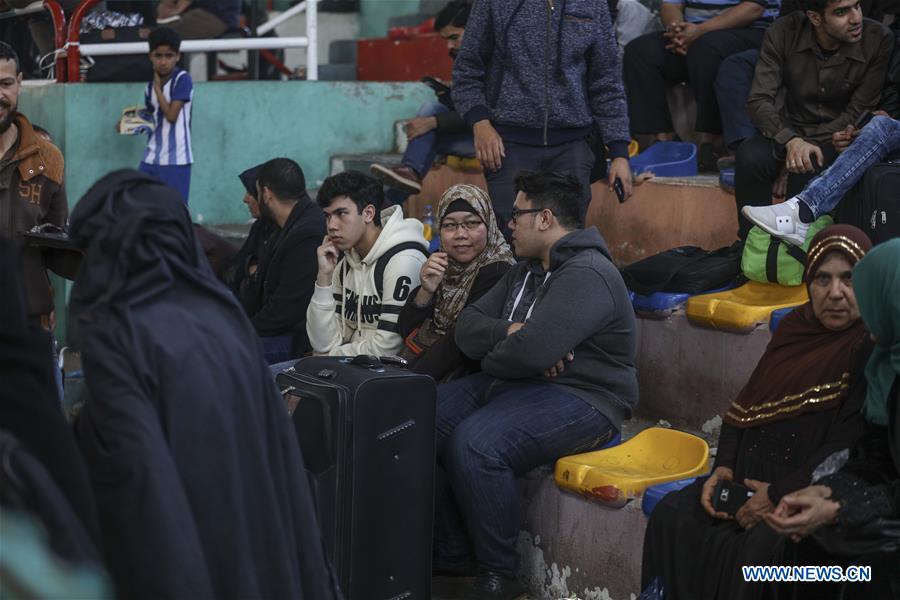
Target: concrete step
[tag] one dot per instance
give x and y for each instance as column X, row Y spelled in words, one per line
column 664, row 213
column 689, row 375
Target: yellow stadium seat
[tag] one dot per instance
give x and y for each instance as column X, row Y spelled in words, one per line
column 616, row 475
column 464, row 163
column 743, row 308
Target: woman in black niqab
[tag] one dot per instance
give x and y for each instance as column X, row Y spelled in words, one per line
column 201, row 488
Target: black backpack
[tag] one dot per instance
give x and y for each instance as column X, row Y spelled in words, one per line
column 686, row 270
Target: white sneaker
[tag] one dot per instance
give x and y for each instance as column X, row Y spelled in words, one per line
column 779, row 220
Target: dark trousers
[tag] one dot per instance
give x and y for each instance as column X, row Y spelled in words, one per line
column 573, row 157
column 757, row 164
column 732, row 90
column 648, row 69
column 489, row 431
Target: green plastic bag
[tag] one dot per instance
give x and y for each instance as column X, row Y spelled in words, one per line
column 771, row 260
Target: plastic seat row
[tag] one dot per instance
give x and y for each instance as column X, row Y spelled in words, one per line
column 738, row 309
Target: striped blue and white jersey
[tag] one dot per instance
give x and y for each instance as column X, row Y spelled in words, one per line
column 170, row 143
column 700, row 11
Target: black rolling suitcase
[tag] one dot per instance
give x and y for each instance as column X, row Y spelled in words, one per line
column 873, row 204
column 366, row 430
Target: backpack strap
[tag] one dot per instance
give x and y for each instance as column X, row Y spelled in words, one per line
column 384, row 259
column 797, row 253
column 793, row 251
column 772, row 259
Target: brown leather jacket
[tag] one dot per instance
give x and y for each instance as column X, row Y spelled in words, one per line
column 35, row 195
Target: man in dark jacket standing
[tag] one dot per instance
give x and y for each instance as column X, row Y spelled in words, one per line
column 534, row 79
column 31, row 187
column 558, row 377
column 283, row 282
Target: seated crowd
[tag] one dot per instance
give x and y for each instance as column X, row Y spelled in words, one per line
column 182, row 475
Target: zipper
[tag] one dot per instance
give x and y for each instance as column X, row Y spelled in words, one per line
column 547, row 70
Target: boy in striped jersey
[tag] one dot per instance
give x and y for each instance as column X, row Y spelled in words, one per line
column 168, row 156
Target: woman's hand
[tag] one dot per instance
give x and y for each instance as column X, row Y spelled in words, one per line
column 432, row 273
column 801, row 513
column 758, row 505
column 720, row 474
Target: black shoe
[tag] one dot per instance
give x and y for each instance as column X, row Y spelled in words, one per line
column 707, row 155
column 490, row 585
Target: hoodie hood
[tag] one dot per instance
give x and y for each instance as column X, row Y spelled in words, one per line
column 395, row 229
column 576, row 242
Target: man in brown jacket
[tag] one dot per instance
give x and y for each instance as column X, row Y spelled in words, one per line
column 31, row 187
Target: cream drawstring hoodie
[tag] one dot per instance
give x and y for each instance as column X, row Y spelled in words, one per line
column 334, row 320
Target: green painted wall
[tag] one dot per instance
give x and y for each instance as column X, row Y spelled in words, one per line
column 374, row 15
column 235, row 125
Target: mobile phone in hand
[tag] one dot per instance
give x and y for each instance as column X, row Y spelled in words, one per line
column 729, row 497
column 438, row 87
column 619, row 189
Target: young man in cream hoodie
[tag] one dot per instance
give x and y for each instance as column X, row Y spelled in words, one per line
column 358, row 296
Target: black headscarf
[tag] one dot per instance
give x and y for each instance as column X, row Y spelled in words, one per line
column 138, row 240
column 198, row 475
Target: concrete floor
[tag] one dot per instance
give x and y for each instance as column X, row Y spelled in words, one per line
column 454, row 588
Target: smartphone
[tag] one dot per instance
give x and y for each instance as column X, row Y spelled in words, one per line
column 729, row 496
column 863, row 120
column 619, row 189
column 438, row 87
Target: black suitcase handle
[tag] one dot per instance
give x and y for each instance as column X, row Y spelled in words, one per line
column 375, row 363
column 367, row 361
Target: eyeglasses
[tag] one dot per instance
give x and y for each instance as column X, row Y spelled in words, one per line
column 468, row 225
column 518, row 212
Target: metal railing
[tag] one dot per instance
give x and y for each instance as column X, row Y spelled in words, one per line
column 59, row 28
column 69, row 49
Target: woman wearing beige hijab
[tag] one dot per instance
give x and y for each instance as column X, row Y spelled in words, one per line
column 472, row 257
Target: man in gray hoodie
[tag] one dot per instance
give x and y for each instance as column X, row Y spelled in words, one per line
column 556, row 340
column 534, row 79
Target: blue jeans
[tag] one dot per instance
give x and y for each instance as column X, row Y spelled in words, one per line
column 488, row 432
column 733, row 81
column 277, row 348
column 875, row 142
column 421, row 151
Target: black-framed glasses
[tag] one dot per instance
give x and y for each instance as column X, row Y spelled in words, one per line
column 453, row 226
column 518, row 212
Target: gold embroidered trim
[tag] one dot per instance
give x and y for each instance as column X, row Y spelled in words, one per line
column 841, row 241
column 824, row 387
column 786, row 408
